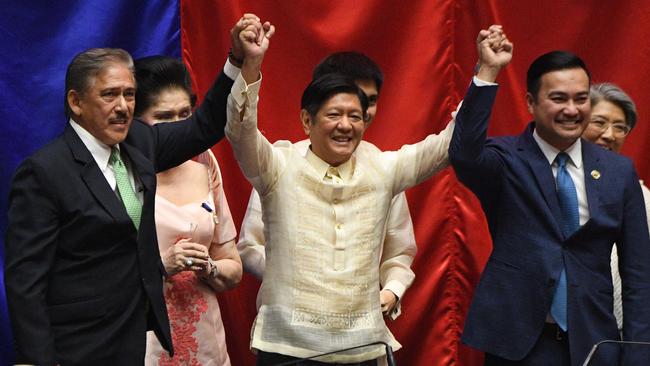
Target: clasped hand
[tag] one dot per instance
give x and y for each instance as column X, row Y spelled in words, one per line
column 494, row 52
column 186, row 256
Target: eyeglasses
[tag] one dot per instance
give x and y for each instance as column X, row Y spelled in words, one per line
column 618, row 129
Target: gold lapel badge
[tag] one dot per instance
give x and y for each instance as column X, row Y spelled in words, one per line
column 595, row 174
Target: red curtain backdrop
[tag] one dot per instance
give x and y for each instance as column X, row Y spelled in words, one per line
column 427, row 50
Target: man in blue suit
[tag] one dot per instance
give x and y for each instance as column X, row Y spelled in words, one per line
column 555, row 204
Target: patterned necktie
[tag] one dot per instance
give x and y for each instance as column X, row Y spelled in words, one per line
column 568, row 200
column 129, row 199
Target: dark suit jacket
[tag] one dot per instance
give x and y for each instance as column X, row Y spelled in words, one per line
column 515, row 184
column 83, row 285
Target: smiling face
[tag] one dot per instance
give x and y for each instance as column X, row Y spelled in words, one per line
column 561, row 108
column 172, row 104
column 105, row 109
column 337, row 128
column 610, row 117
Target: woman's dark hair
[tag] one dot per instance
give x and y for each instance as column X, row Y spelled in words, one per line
column 155, row 74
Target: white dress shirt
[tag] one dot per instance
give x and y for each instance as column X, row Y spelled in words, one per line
column 574, row 167
column 102, row 153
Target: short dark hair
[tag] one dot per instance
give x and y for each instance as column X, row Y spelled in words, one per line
column 548, row 62
column 354, row 65
column 321, row 89
column 86, row 65
column 615, row 95
column 154, row 74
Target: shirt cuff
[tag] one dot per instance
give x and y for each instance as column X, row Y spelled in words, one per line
column 241, row 92
column 478, row 82
column 231, row 70
column 395, row 287
column 398, row 289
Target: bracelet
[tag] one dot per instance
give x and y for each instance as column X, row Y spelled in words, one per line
column 214, row 270
column 234, row 60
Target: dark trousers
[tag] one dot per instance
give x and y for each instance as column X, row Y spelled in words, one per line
column 552, row 348
column 272, row 359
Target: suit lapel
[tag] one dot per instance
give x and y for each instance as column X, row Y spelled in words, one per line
column 93, row 177
column 142, row 167
column 542, row 172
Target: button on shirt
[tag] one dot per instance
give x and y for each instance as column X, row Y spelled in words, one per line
column 320, row 290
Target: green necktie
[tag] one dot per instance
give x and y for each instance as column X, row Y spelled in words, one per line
column 124, row 189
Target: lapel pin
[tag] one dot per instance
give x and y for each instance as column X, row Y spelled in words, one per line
column 595, row 174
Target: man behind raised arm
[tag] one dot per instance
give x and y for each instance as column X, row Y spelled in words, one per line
column 83, row 273
column 399, row 248
column 555, row 204
column 324, row 214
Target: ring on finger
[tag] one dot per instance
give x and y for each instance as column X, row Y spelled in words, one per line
column 189, row 262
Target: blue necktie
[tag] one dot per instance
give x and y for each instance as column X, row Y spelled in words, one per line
column 568, row 200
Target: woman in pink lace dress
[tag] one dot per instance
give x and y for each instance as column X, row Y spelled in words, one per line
column 195, row 230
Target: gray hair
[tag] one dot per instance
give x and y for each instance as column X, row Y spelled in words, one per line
column 615, row 95
column 87, row 64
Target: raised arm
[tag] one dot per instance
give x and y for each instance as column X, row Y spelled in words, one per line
column 253, row 152
column 471, row 160
column 174, row 143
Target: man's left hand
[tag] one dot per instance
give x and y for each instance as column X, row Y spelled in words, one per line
column 494, row 51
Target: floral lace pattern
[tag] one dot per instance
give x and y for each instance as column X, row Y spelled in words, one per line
column 185, row 305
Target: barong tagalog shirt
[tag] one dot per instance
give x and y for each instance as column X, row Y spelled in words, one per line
column 399, row 247
column 324, row 228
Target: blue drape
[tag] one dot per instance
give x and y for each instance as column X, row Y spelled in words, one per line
column 39, row 38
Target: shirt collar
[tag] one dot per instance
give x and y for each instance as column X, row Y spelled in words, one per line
column 99, row 150
column 345, row 169
column 574, row 151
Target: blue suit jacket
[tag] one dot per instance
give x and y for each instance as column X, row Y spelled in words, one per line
column 515, row 184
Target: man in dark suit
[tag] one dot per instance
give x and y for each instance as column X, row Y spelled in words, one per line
column 83, row 272
column 555, row 204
